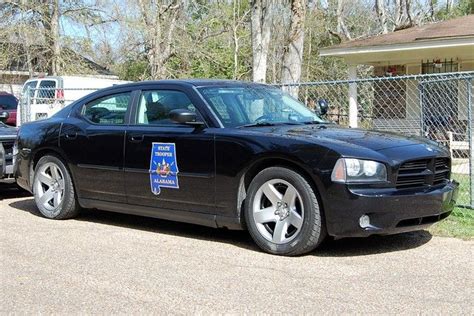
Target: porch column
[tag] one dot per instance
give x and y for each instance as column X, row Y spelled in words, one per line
column 352, row 75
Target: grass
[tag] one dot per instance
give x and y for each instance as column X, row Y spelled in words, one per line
column 460, row 223
column 463, row 196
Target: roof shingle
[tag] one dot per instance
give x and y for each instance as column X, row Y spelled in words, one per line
column 460, row 27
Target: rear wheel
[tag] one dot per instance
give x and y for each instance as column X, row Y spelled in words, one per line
column 282, row 212
column 53, row 189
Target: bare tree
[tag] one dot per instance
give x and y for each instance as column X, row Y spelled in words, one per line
column 293, row 54
column 382, row 15
column 432, row 4
column 51, row 24
column 36, row 23
column 341, row 25
column 449, row 6
column 158, row 23
column 237, row 22
column 403, row 18
column 261, row 17
column 45, row 16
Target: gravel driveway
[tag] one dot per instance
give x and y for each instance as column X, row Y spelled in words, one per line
column 110, row 263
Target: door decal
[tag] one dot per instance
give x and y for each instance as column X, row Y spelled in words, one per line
column 163, row 167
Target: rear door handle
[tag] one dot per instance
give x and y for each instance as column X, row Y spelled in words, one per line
column 70, row 136
column 136, row 138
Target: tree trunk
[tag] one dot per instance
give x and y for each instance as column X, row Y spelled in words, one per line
column 382, row 15
column 449, row 6
column 52, row 26
column 159, row 22
column 261, row 31
column 235, row 38
column 341, row 25
column 293, row 54
column 403, row 18
column 432, row 9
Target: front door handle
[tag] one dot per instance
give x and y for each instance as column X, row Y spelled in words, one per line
column 136, row 138
column 70, row 136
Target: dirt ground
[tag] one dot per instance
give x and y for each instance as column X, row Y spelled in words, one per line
column 112, row 263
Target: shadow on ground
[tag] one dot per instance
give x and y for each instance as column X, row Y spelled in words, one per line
column 346, row 247
column 11, row 191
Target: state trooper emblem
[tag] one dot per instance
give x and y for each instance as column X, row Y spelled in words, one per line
column 163, row 167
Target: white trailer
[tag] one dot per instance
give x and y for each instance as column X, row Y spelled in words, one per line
column 43, row 97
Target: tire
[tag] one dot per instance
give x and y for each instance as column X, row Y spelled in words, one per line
column 282, row 213
column 53, row 189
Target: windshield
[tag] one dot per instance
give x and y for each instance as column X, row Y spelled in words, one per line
column 242, row 106
column 8, row 102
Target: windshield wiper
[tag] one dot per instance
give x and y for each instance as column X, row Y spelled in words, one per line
column 315, row 122
column 258, row 124
column 270, row 124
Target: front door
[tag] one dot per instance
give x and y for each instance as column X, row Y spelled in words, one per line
column 168, row 165
column 93, row 141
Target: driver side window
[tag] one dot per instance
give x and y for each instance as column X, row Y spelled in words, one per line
column 155, row 105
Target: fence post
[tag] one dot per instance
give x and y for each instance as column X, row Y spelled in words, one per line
column 353, row 112
column 470, row 138
column 422, row 116
column 27, row 105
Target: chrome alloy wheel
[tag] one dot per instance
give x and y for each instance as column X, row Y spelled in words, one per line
column 49, row 188
column 278, row 211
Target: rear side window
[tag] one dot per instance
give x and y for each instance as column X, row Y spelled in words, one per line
column 109, row 110
column 46, row 91
column 8, row 102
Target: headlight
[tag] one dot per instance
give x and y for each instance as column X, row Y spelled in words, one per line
column 358, row 170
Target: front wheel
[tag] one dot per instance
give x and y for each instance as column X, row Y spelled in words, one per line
column 53, row 189
column 282, row 212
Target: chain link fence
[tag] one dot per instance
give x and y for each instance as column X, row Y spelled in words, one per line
column 438, row 107
column 41, row 103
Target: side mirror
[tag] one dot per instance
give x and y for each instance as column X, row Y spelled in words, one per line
column 323, row 106
column 183, row 116
column 4, row 116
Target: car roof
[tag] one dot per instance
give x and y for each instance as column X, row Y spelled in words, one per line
column 196, row 82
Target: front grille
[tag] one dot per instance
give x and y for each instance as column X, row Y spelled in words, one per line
column 423, row 172
column 442, row 170
column 8, row 147
column 422, row 220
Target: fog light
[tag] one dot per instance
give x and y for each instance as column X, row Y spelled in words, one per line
column 364, row 221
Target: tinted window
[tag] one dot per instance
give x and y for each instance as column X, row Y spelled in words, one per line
column 46, row 90
column 107, row 110
column 8, row 102
column 155, row 106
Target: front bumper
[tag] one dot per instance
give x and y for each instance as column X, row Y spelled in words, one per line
column 6, row 164
column 390, row 211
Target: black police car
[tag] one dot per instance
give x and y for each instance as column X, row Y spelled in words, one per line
column 231, row 154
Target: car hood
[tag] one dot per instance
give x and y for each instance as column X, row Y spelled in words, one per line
column 353, row 137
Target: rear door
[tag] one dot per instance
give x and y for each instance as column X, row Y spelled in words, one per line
column 93, row 140
column 168, row 165
column 46, row 102
column 26, row 102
